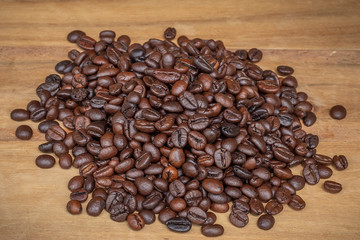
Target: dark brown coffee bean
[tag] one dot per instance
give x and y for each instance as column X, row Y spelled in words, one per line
column 170, row 33
column 254, row 55
column 332, row 187
column 309, row 119
column 297, row 182
column 311, row 174
column 265, row 222
column 238, row 218
column 196, row 215
column 222, row 158
column 55, row 132
column 179, row 224
column 324, row 172
column 297, row 203
column 338, row 112
column 285, row 70
column 24, row 132
column 74, row 207
column 135, row 221
column 74, row 35
column 95, row 206
column 45, row 161
column 80, row 195
column 273, row 207
column 20, row 115
column 212, row 230
column 148, row 216
column 283, row 195
column 340, row 162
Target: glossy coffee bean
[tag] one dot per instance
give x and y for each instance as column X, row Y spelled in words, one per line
column 332, row 187
column 45, row 161
column 20, row 115
column 340, row 162
column 179, row 224
column 135, row 221
column 74, row 207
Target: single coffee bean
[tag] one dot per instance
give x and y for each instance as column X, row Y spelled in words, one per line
column 332, row 187
column 238, row 218
column 136, row 221
column 196, row 215
column 170, row 33
column 148, row 216
column 340, row 162
column 74, row 207
column 265, row 222
column 273, row 207
column 324, row 172
column 338, row 112
column 285, row 70
column 214, row 230
column 296, row 203
column 74, row 35
column 95, row 206
column 20, row 115
column 179, row 224
column 45, row 161
column 309, row 119
column 311, row 174
column 24, row 132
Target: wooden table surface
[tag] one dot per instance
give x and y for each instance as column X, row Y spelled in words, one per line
column 320, row 39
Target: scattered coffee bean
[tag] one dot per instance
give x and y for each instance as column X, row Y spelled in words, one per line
column 332, row 187
column 214, row 230
column 24, row 132
column 179, row 224
column 45, row 161
column 74, row 207
column 266, row 222
column 338, row 112
column 20, row 115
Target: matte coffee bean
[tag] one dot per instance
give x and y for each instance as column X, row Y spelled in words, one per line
column 338, row 112
column 214, row 230
column 179, row 224
column 45, row 161
column 148, row 216
column 20, row 115
column 74, row 207
column 265, row 222
column 24, row 132
column 332, row 187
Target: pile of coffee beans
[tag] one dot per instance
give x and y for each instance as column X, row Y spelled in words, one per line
column 176, row 130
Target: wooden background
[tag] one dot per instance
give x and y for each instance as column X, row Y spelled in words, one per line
column 320, row 39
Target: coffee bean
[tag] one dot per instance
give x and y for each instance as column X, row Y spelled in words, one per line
column 214, row 230
column 95, row 206
column 285, row 70
column 45, row 161
column 340, row 162
column 170, row 33
column 74, row 35
column 55, row 132
column 338, row 112
column 148, row 216
column 196, row 215
column 265, row 222
column 179, row 224
column 238, row 218
column 136, row 221
column 309, row 119
column 311, row 174
column 74, row 207
column 24, row 132
column 254, row 55
column 324, row 172
column 332, row 187
column 20, row 115
column 296, row 202
column 273, row 207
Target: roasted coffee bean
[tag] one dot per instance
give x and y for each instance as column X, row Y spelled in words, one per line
column 296, row 202
column 135, row 221
column 148, row 216
column 74, row 35
column 273, row 207
column 297, row 182
column 95, row 206
column 179, row 224
column 338, row 112
column 24, row 132
column 212, row 185
column 311, row 174
column 309, row 119
column 80, row 195
column 45, row 161
column 46, row 147
column 212, row 230
column 238, row 218
column 20, row 115
column 265, row 222
column 55, row 132
column 196, row 215
column 332, row 187
column 324, row 172
column 285, row 70
column 340, row 162
column 170, row 33
column 74, row 207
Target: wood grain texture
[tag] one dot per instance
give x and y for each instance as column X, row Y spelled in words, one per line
column 320, row 39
